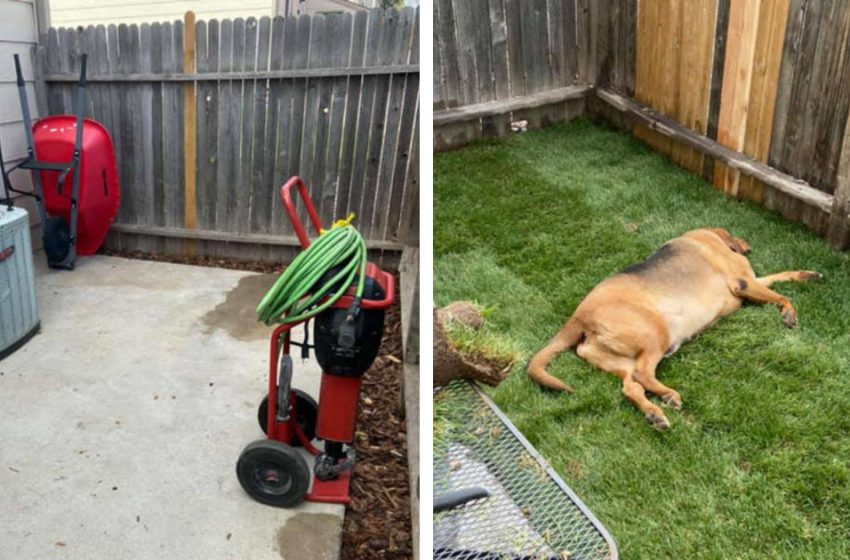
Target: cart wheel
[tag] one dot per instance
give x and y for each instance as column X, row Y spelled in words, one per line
column 306, row 415
column 273, row 473
column 57, row 239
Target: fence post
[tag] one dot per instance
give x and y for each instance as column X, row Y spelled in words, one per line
column 189, row 129
column 838, row 233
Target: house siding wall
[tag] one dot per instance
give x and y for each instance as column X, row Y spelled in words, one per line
column 18, row 34
column 73, row 13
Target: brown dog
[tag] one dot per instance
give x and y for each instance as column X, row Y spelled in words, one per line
column 633, row 319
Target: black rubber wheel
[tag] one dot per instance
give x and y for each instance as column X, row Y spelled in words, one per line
column 273, row 473
column 57, row 240
column 307, row 414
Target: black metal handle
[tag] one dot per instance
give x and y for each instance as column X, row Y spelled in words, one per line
column 82, row 70
column 8, row 199
column 457, row 498
column 18, row 71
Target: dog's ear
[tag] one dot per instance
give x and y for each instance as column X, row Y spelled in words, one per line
column 743, row 247
column 736, row 244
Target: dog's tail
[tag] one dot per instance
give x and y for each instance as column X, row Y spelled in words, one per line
column 569, row 335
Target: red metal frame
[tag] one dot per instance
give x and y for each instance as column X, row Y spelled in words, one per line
column 339, row 395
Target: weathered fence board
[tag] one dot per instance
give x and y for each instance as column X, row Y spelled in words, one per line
column 492, row 51
column 332, row 98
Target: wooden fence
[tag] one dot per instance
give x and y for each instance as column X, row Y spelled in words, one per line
column 210, row 118
column 537, row 54
column 752, row 94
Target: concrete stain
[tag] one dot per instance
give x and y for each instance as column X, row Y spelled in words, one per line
column 310, row 535
column 237, row 313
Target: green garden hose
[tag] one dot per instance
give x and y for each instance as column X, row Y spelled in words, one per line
column 297, row 295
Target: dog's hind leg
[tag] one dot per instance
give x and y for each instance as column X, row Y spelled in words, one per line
column 623, row 367
column 635, row 392
column 645, row 375
column 759, row 293
column 788, row 276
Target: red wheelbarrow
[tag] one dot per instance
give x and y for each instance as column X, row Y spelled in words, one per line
column 75, row 180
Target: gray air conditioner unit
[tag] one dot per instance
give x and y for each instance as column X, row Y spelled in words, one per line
column 18, row 312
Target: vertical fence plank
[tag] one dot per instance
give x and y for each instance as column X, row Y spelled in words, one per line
column 721, row 27
column 172, row 126
column 274, row 151
column 340, row 26
column 158, row 184
column 405, row 152
column 286, row 163
column 146, row 133
column 239, row 116
column 387, row 201
column 298, row 102
column 206, row 56
column 464, row 30
column 444, row 21
column 555, row 33
column 695, row 61
column 787, row 72
column 767, row 59
column 347, row 202
column 498, row 49
column 358, row 187
column 260, row 205
column 515, row 42
column 383, row 55
column 737, row 79
column 317, row 117
column 481, row 44
column 226, row 138
column 838, row 234
column 190, row 214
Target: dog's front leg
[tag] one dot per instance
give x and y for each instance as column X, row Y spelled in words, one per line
column 753, row 290
column 789, row 276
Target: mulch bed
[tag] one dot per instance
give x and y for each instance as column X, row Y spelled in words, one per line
column 377, row 521
column 254, row 266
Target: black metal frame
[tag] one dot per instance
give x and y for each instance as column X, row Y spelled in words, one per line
column 35, row 167
column 612, row 544
column 461, row 497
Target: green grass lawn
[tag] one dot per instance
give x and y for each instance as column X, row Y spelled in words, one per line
column 757, row 464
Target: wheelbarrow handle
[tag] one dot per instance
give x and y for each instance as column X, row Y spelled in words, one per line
column 289, row 205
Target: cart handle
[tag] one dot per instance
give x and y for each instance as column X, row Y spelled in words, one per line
column 289, row 205
column 389, row 294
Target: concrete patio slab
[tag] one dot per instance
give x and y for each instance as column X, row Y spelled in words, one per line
column 121, row 422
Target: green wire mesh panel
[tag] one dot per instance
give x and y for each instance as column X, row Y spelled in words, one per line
column 530, row 513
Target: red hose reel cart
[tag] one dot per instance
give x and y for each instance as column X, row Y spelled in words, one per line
column 272, row 470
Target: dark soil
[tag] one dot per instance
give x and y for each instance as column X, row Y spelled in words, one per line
column 377, row 521
column 254, row 266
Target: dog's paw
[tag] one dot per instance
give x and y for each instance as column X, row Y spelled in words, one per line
column 658, row 421
column 807, row 275
column 673, row 400
column 789, row 316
